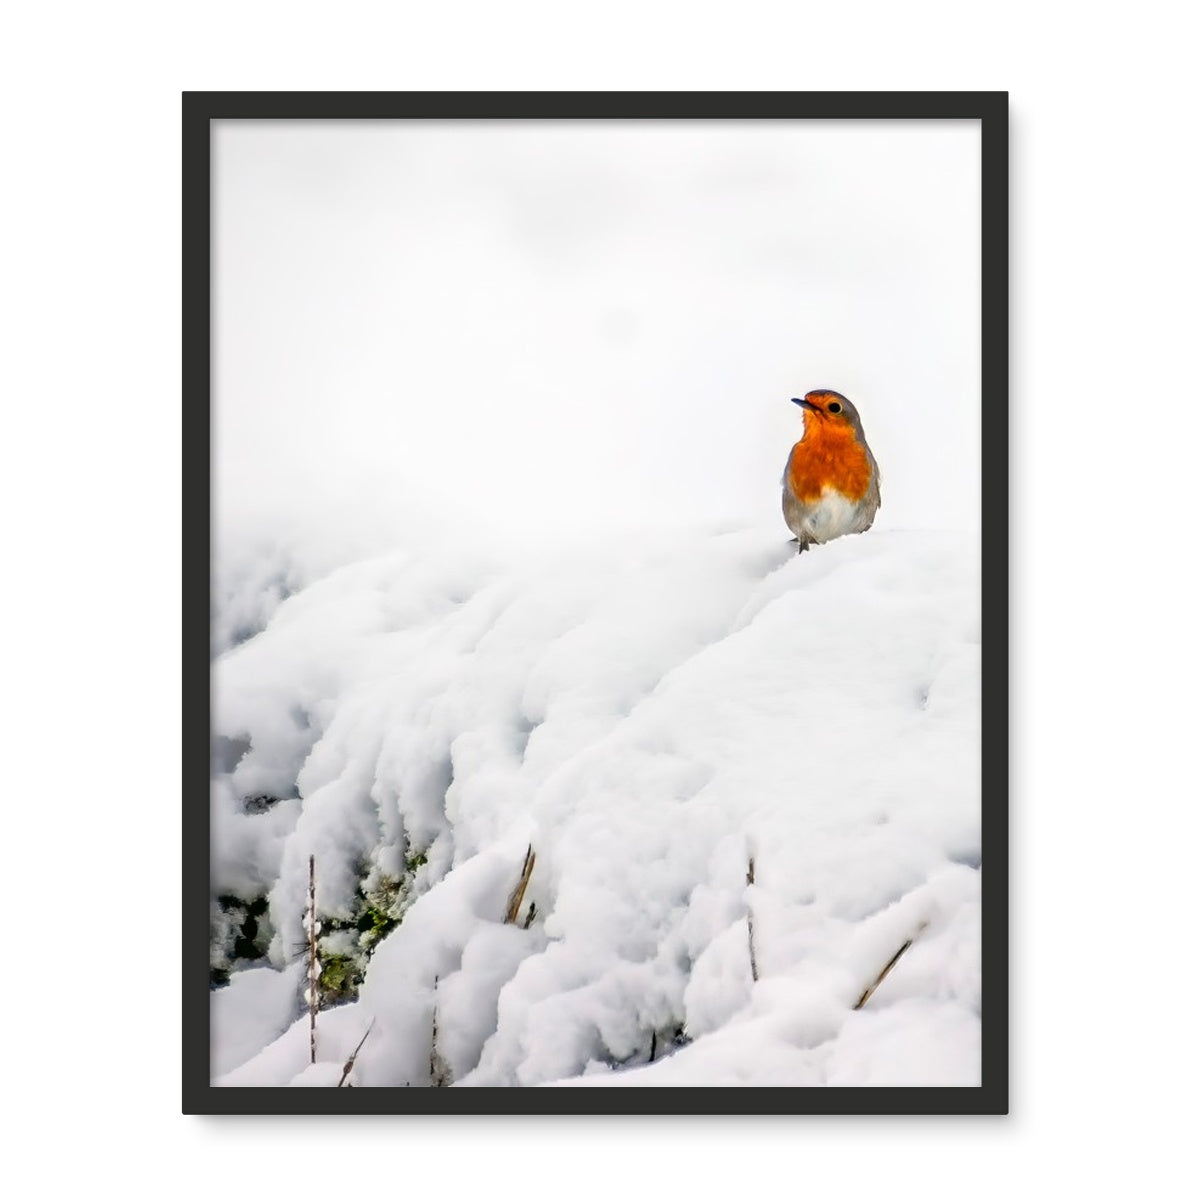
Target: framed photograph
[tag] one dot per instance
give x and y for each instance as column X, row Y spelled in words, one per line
column 601, row 505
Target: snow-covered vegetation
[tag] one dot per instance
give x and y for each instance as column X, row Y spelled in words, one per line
column 651, row 719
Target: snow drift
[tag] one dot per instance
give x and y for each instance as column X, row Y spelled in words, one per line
column 649, row 717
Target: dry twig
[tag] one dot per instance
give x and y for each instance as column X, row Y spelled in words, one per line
column 890, row 964
column 750, row 924
column 350, row 1061
column 518, row 893
column 439, row 1070
column 312, row 961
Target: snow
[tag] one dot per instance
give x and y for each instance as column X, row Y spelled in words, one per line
column 256, row 1007
column 648, row 714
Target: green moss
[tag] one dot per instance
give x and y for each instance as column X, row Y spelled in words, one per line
column 347, row 943
column 340, row 977
column 374, row 924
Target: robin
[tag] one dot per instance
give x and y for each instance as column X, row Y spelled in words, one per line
column 831, row 481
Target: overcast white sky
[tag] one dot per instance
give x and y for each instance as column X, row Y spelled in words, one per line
column 540, row 326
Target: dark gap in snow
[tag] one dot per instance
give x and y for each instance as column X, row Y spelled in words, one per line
column 227, row 752
column 301, row 718
column 256, row 805
column 662, row 1044
column 240, row 635
column 239, row 933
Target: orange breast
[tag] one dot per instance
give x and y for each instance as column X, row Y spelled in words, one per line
column 829, row 455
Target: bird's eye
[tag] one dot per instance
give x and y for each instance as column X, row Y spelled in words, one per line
column 835, row 407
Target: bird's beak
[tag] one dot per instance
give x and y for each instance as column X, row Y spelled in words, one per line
column 805, row 404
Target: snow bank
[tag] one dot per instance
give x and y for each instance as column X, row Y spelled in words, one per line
column 648, row 717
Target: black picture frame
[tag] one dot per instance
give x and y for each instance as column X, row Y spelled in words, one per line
column 199, row 110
